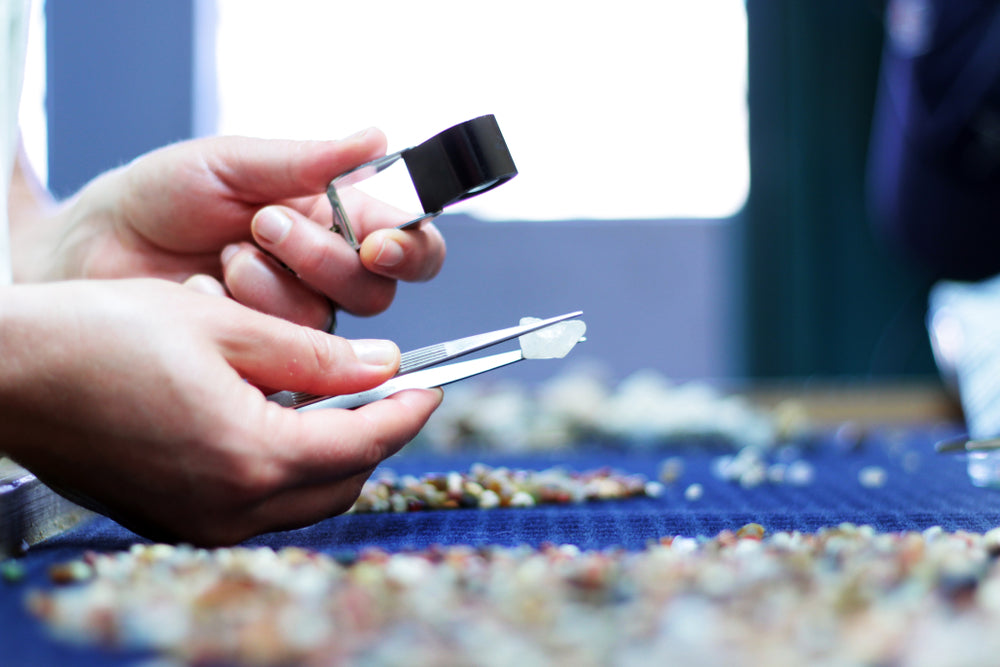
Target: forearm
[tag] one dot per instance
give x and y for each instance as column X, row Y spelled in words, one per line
column 19, row 386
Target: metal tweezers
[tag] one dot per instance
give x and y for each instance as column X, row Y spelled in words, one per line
column 419, row 369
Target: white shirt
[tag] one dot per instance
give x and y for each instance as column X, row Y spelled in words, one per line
column 14, row 16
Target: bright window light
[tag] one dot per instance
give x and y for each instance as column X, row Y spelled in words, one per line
column 31, row 114
column 624, row 110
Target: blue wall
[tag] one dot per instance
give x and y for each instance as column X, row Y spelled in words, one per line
column 119, row 75
column 654, row 294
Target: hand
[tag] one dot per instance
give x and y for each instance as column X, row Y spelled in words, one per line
column 138, row 398
column 236, row 209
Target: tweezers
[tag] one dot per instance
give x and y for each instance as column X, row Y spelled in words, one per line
column 420, row 369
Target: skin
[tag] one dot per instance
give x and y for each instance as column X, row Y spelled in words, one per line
column 181, row 210
column 155, row 309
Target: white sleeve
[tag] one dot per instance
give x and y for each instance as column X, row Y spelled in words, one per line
column 14, row 15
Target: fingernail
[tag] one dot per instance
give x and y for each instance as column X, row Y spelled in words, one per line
column 375, row 352
column 390, row 253
column 272, row 224
column 200, row 282
column 228, row 252
column 414, row 396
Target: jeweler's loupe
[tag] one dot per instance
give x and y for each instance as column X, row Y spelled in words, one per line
column 460, row 162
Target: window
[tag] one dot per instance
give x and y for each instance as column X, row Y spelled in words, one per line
column 624, row 110
column 31, row 114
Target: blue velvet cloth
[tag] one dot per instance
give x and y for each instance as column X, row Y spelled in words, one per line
column 922, row 489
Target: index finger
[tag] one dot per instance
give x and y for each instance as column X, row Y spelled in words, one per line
column 268, row 170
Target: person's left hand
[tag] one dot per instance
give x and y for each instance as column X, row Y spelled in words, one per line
column 249, row 213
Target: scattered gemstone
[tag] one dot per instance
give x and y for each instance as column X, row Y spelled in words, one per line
column 671, row 469
column 842, row 595
column 693, row 492
column 872, row 477
column 487, row 487
column 11, row 571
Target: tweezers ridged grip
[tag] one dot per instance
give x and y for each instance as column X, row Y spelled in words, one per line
column 408, row 362
column 422, row 358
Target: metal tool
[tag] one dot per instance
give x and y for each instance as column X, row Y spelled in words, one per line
column 416, row 372
column 966, row 444
column 463, row 161
column 31, row 512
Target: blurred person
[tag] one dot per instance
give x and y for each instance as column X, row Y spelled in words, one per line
column 934, row 166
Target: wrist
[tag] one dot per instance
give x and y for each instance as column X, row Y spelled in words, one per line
column 55, row 241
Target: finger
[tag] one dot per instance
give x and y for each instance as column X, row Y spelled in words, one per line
column 322, row 259
column 326, row 445
column 218, row 183
column 270, row 170
column 304, row 506
column 326, row 456
column 258, row 281
column 413, row 255
column 271, row 352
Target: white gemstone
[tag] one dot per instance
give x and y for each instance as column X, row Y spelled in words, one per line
column 552, row 342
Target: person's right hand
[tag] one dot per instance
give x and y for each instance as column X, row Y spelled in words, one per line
column 139, row 398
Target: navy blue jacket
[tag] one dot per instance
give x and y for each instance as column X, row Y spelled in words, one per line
column 934, row 157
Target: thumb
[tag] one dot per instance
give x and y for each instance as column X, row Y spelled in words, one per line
column 272, row 352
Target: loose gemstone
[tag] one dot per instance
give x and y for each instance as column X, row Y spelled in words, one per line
column 845, row 594
column 693, row 492
column 800, row 473
column 489, row 499
column 12, row 571
column 71, row 572
column 645, row 408
column 872, row 476
column 485, row 487
column 671, row 469
column 522, row 499
column 753, row 531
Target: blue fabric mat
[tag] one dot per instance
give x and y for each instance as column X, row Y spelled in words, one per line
column 922, row 489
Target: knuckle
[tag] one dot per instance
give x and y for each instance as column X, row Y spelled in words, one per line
column 386, row 437
column 325, row 350
column 244, row 470
column 312, row 260
column 241, row 485
column 374, row 447
column 350, row 492
column 373, row 453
